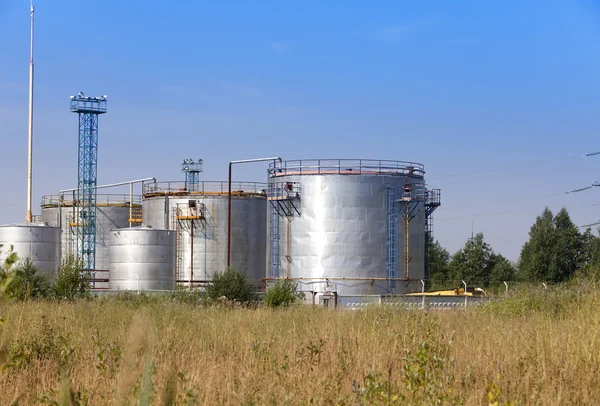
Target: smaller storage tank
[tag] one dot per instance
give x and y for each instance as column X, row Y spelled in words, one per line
column 142, row 258
column 38, row 242
column 112, row 211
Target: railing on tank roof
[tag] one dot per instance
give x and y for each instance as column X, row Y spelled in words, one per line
column 204, row 187
column 415, row 191
column 433, row 197
column 101, row 200
column 346, row 167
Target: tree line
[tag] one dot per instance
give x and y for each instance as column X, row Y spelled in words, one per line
column 555, row 251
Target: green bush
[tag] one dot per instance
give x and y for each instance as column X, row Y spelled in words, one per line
column 6, row 275
column 282, row 293
column 27, row 283
column 71, row 281
column 184, row 295
column 233, row 285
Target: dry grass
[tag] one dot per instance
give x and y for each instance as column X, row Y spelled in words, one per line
column 531, row 349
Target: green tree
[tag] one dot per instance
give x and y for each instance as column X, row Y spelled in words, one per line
column 232, row 284
column 502, row 271
column 473, row 263
column 282, row 293
column 589, row 259
column 71, row 281
column 437, row 262
column 555, row 249
column 27, row 283
column 567, row 250
column 536, row 254
column 6, row 276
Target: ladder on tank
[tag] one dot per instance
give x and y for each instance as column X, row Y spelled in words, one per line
column 403, row 202
column 432, row 202
column 136, row 215
column 178, row 254
column 186, row 217
column 284, row 199
column 71, row 236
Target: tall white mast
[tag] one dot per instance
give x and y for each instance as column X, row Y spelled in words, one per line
column 29, row 217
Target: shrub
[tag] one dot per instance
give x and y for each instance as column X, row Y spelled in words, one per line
column 184, row 295
column 6, row 275
column 232, row 284
column 282, row 293
column 27, row 283
column 71, row 281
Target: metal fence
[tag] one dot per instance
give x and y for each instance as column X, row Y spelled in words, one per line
column 354, row 302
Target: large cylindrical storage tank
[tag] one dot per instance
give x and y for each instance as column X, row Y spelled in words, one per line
column 38, row 242
column 112, row 211
column 142, row 258
column 199, row 218
column 339, row 225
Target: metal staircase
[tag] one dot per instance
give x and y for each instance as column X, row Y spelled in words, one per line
column 136, row 215
column 284, row 199
column 405, row 202
column 433, row 201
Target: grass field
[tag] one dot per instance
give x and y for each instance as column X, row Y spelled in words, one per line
column 534, row 348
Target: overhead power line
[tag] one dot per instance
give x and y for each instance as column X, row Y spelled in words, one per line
column 579, row 190
column 514, row 166
column 584, row 188
column 504, row 201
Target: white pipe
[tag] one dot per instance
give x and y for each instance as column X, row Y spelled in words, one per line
column 506, row 284
column 130, row 203
column 464, row 283
column 256, row 160
column 114, row 184
column 28, row 216
column 423, row 293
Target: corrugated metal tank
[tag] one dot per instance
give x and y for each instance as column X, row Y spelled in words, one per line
column 38, row 242
column 167, row 205
column 330, row 226
column 112, row 211
column 142, row 258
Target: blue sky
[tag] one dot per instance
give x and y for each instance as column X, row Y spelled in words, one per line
column 499, row 99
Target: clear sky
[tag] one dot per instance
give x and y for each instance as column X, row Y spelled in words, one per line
column 498, row 99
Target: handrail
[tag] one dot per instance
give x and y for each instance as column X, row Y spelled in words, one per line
column 346, row 167
column 101, row 199
column 129, row 182
column 202, row 187
column 433, row 197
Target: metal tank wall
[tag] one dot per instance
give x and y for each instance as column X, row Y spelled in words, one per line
column 248, row 228
column 142, row 258
column 340, row 238
column 38, row 242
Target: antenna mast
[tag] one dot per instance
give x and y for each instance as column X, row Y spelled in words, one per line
column 28, row 216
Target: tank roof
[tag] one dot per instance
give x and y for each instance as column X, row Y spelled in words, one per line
column 140, row 228
column 346, row 167
column 27, row 224
column 102, row 200
column 205, row 188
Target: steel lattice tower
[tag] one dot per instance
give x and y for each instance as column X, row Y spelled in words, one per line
column 192, row 171
column 88, row 109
